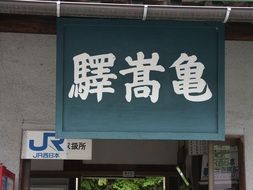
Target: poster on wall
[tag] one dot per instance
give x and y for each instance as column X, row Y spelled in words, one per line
column 44, row 145
column 129, row 79
column 226, row 165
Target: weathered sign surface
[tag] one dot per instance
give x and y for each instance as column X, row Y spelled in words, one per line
column 129, row 79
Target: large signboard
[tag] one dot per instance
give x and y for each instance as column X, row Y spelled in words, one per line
column 129, row 79
column 44, row 145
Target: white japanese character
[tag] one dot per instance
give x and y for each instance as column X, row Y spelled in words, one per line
column 190, row 83
column 91, row 75
column 142, row 86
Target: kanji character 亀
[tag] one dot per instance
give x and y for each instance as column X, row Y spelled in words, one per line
column 190, row 84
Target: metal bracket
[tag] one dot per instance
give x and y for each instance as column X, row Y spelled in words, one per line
column 58, row 8
column 227, row 14
column 145, row 12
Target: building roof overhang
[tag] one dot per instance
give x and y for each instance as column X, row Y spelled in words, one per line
column 128, row 11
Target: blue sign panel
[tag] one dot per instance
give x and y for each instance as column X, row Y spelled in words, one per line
column 130, row 79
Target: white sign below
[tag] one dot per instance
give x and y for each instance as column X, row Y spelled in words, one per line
column 44, row 145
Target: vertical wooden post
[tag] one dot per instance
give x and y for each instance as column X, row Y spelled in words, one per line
column 72, row 183
column 241, row 160
column 26, row 168
column 210, row 167
column 166, row 183
column 79, row 182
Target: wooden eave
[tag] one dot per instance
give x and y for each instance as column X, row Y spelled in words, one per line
column 47, row 25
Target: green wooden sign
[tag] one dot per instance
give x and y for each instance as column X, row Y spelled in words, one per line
column 130, row 79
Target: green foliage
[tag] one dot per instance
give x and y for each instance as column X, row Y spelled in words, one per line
column 86, row 185
column 125, row 185
column 102, row 181
column 149, row 183
column 153, row 182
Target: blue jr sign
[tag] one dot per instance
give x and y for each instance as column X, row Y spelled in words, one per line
column 129, row 79
column 57, row 143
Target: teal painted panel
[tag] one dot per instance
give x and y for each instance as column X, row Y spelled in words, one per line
column 130, row 79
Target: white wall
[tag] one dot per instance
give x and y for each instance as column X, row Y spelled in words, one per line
column 239, row 97
column 27, row 98
column 27, row 91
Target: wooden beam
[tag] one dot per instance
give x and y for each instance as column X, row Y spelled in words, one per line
column 77, row 165
column 77, row 168
column 47, row 25
column 239, row 31
column 67, row 174
column 27, row 24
